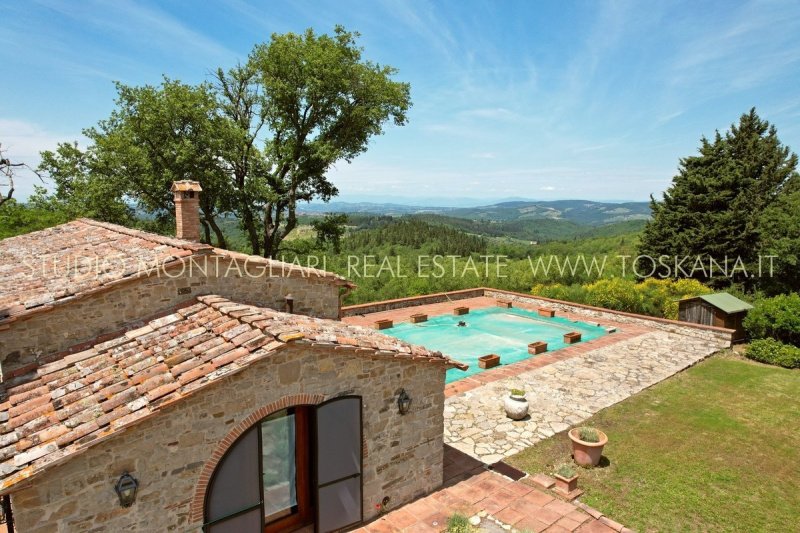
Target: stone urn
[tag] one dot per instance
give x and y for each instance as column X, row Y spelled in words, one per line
column 586, row 452
column 516, row 405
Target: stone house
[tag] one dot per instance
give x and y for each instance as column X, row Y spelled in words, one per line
column 188, row 397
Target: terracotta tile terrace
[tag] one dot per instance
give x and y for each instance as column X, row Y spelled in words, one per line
column 470, row 489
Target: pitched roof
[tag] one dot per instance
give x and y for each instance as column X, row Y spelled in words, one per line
column 83, row 397
column 726, row 302
column 53, row 266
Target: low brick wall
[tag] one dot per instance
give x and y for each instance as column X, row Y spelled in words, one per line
column 169, row 452
column 30, row 338
column 400, row 303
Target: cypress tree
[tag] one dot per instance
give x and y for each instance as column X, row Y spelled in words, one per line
column 713, row 208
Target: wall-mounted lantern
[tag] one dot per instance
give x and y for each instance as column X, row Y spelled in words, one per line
column 289, row 303
column 126, row 489
column 403, row 402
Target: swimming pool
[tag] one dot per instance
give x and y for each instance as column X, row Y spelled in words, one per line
column 506, row 332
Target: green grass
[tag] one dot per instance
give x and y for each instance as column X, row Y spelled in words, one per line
column 714, row 448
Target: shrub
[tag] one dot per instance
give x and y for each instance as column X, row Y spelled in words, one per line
column 557, row 291
column 655, row 297
column 589, row 435
column 615, row 293
column 774, row 352
column 517, row 392
column 566, row 471
column 778, row 318
column 459, row 524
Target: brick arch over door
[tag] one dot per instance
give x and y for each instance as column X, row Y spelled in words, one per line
column 198, row 502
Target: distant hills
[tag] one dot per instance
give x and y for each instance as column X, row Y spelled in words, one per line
column 579, row 212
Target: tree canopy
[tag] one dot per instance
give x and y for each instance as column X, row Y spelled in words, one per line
column 723, row 202
column 260, row 138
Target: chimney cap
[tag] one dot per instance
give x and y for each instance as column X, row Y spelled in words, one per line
column 186, row 185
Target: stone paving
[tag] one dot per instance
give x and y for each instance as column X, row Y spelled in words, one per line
column 563, row 387
column 565, row 393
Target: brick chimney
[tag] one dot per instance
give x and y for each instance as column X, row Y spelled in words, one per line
column 187, row 205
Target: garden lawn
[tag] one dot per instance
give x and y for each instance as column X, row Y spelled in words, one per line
column 714, row 448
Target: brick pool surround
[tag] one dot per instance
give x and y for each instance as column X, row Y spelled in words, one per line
column 534, row 302
column 628, row 326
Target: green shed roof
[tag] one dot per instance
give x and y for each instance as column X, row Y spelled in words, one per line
column 726, row 302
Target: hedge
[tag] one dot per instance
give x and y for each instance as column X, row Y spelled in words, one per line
column 773, row 352
column 777, row 318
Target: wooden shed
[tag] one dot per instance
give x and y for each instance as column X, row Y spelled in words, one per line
column 720, row 309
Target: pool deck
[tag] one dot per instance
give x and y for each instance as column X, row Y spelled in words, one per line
column 564, row 387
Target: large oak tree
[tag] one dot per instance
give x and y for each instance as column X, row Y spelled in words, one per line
column 260, row 137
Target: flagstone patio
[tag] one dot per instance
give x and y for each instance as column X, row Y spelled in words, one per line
column 564, row 393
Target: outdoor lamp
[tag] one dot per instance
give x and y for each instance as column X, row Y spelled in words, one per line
column 126, row 489
column 403, row 402
column 289, row 302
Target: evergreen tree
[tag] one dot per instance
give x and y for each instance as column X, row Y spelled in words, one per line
column 713, row 208
column 780, row 239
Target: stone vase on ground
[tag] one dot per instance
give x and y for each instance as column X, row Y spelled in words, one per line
column 516, row 406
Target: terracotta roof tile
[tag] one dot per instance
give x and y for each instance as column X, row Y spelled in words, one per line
column 78, row 399
column 55, row 265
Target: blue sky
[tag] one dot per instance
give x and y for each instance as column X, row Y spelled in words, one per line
column 544, row 100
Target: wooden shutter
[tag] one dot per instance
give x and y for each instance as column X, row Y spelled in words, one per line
column 338, row 463
column 233, row 503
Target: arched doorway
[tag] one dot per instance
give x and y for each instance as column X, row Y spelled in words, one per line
column 296, row 468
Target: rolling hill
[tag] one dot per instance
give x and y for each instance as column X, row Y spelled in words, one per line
column 581, row 212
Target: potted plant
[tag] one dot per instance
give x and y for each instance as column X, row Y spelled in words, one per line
column 587, row 445
column 566, row 479
column 516, row 405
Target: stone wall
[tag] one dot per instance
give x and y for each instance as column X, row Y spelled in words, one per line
column 168, row 452
column 400, row 303
column 68, row 324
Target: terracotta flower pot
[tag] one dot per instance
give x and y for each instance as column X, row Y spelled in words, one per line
column 537, row 347
column 418, row 317
column 586, row 453
column 489, row 361
column 566, row 485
